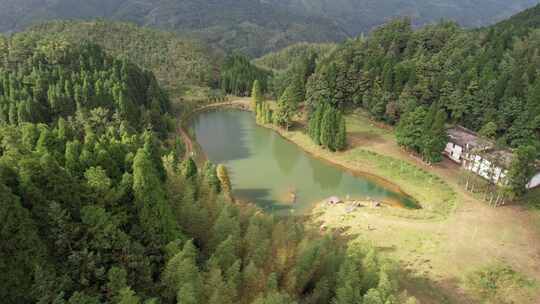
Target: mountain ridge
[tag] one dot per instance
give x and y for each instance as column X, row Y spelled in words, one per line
column 257, row 27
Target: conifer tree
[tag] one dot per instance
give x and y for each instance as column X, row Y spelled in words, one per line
column 216, row 288
column 521, row 169
column 315, row 120
column 285, row 110
column 328, row 130
column 155, row 213
column 210, row 176
column 256, row 95
column 182, row 276
column 21, row 249
column 128, row 296
column 223, row 176
column 225, row 254
column 435, row 138
column 189, row 168
column 341, row 136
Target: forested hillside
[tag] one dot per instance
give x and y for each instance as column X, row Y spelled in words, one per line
column 176, row 62
column 99, row 205
column 255, row 27
column 485, row 80
column 521, row 23
column 282, row 59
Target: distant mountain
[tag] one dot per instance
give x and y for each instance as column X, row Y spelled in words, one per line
column 256, row 27
column 357, row 16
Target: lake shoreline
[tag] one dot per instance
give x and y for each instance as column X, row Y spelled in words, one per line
column 319, row 154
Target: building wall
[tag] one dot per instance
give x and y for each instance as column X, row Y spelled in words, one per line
column 485, row 168
column 454, row 152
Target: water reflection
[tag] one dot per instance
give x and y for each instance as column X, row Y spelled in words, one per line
column 322, row 176
column 285, row 154
column 223, row 138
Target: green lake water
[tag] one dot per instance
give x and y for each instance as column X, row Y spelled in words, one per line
column 272, row 172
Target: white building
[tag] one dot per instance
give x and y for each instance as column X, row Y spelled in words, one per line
column 478, row 155
column 535, row 181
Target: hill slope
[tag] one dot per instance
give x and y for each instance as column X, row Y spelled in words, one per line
column 356, row 16
column 256, row 27
column 177, row 62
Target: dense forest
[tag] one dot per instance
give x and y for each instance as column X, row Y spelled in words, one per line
column 484, row 80
column 99, row 205
column 176, row 61
column 238, row 74
column 257, row 27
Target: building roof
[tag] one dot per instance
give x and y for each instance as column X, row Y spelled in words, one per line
column 468, row 139
column 502, row 157
column 485, row 148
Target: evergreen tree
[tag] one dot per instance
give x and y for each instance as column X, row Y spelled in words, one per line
column 328, row 130
column 189, row 168
column 341, row 136
column 182, row 277
column 256, row 95
column 285, row 110
column 155, row 214
column 410, row 131
column 117, row 281
column 521, row 169
column 223, row 176
column 315, row 120
column 21, row 249
column 128, row 296
column 435, row 139
column 210, row 176
column 489, row 130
